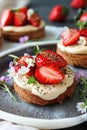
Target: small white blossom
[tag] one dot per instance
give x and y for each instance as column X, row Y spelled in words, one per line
column 30, row 12
column 81, row 106
column 11, row 72
column 23, row 70
column 82, row 41
column 30, row 62
column 26, row 54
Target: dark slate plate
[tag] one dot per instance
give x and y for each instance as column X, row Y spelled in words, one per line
column 49, row 116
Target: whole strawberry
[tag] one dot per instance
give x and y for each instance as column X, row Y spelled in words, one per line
column 78, row 4
column 58, row 13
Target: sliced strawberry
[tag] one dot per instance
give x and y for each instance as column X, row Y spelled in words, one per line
column 70, row 37
column 6, row 18
column 22, row 60
column 35, row 19
column 23, row 10
column 17, row 67
column 50, row 57
column 49, row 74
column 19, row 19
column 31, row 71
column 83, row 32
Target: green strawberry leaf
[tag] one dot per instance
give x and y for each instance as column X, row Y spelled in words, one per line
column 81, row 25
column 65, row 11
column 79, row 13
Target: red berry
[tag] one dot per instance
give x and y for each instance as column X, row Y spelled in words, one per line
column 83, row 32
column 22, row 60
column 78, row 4
column 49, row 74
column 70, row 37
column 6, row 18
column 17, row 67
column 35, row 19
column 83, row 17
column 19, row 19
column 23, row 10
column 50, row 57
column 31, row 71
column 58, row 13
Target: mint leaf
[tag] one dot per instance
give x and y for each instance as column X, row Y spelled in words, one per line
column 32, row 80
column 36, row 50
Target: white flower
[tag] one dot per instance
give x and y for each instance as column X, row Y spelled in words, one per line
column 23, row 70
column 11, row 72
column 81, row 106
column 30, row 12
column 65, row 32
column 30, row 62
column 82, row 41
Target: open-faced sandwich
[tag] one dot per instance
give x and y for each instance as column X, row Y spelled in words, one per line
column 73, row 47
column 42, row 79
column 21, row 22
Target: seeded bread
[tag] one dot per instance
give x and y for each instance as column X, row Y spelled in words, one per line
column 79, row 60
column 31, row 98
column 14, row 36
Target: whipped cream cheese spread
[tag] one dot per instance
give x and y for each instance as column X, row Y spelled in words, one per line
column 25, row 28
column 46, row 92
column 79, row 48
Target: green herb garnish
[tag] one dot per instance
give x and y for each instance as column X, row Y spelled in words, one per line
column 32, row 80
column 36, row 50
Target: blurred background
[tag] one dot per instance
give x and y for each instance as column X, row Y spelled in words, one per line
column 45, row 6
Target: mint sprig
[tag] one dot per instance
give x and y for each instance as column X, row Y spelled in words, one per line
column 36, row 49
column 31, row 79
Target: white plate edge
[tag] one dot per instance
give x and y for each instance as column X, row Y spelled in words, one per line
column 43, row 123
column 26, row 45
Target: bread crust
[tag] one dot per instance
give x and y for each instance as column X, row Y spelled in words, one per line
column 31, row 98
column 78, row 60
column 14, row 36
